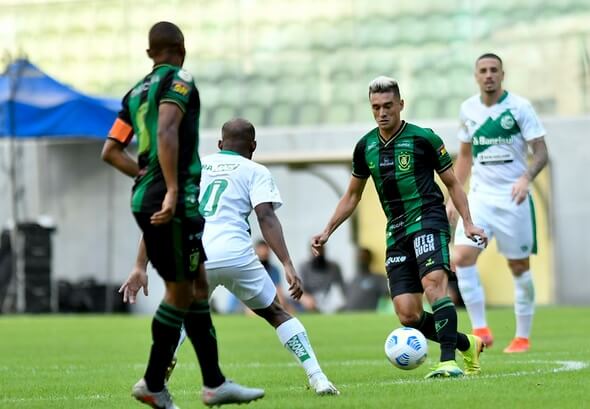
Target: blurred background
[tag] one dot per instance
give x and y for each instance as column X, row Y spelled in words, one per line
column 299, row 71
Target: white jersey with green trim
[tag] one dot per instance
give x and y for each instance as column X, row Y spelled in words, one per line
column 231, row 187
column 498, row 136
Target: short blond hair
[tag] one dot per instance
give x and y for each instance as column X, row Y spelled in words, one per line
column 383, row 84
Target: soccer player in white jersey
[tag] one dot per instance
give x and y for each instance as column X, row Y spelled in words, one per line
column 497, row 128
column 232, row 186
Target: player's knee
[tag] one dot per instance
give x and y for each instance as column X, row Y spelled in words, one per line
column 409, row 318
column 464, row 256
column 518, row 266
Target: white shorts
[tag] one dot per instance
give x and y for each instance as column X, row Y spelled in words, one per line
column 513, row 225
column 250, row 283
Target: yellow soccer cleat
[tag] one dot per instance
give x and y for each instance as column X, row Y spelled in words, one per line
column 446, row 369
column 471, row 356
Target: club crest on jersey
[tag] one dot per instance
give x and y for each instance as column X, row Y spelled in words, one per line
column 507, row 122
column 404, row 161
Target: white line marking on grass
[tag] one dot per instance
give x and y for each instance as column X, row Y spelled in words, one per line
column 558, row 366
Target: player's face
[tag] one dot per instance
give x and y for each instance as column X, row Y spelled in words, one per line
column 489, row 75
column 386, row 107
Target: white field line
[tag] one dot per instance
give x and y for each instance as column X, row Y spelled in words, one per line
column 557, row 367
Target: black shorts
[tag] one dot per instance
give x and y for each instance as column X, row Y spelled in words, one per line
column 175, row 249
column 411, row 258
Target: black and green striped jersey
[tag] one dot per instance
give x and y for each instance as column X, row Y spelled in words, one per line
column 165, row 84
column 403, row 172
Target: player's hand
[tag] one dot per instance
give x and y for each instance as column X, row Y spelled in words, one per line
column 137, row 280
column 168, row 209
column 295, row 286
column 475, row 234
column 520, row 189
column 452, row 214
column 317, row 242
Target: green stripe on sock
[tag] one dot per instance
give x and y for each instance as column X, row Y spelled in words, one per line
column 199, row 307
column 442, row 303
column 162, row 319
column 170, row 317
column 172, row 309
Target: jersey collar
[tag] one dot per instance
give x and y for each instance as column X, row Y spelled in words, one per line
column 395, row 135
column 226, row 152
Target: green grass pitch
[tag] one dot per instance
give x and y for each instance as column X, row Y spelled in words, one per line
column 92, row 362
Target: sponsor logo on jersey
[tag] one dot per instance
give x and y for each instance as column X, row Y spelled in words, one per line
column 394, row 260
column 442, row 150
column 404, row 161
column 181, row 88
column 423, row 243
column 487, row 141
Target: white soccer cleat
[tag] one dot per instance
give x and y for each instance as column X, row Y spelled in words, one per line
column 322, row 385
column 229, row 392
column 157, row 400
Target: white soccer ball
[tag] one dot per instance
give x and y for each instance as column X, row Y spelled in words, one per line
column 406, row 348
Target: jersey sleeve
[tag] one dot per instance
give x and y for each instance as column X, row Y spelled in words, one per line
column 264, row 190
column 122, row 129
column 441, row 158
column 177, row 89
column 360, row 169
column 529, row 123
column 463, row 134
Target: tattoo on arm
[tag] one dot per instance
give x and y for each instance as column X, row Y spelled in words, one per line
column 540, row 158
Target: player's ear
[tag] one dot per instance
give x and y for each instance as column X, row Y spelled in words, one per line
column 220, row 144
column 401, row 104
column 253, row 146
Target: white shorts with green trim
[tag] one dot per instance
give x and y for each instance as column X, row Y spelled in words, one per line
column 512, row 225
column 250, row 283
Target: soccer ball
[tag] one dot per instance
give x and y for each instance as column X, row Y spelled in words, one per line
column 406, row 348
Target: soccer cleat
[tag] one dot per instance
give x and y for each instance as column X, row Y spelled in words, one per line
column 471, row 356
column 446, row 369
column 229, row 392
column 322, row 385
column 170, row 368
column 517, row 345
column 158, row 400
column 486, row 336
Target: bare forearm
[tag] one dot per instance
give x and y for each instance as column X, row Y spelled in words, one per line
column 120, row 159
column 540, row 159
column 344, row 209
column 459, row 199
column 168, row 157
column 141, row 261
column 272, row 231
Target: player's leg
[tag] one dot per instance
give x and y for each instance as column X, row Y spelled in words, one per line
column 252, row 284
column 168, row 319
column 516, row 238
column 465, row 254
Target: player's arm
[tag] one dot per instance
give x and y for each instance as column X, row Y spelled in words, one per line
column 459, row 198
column 344, row 209
column 169, row 118
column 462, row 170
column 540, row 158
column 138, row 278
column 272, row 231
column 114, row 149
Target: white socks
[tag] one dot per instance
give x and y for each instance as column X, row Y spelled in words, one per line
column 292, row 335
column 473, row 295
column 524, row 304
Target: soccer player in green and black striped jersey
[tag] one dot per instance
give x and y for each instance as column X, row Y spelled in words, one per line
column 402, row 158
column 162, row 110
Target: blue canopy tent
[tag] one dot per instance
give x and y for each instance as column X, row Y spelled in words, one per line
column 34, row 105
